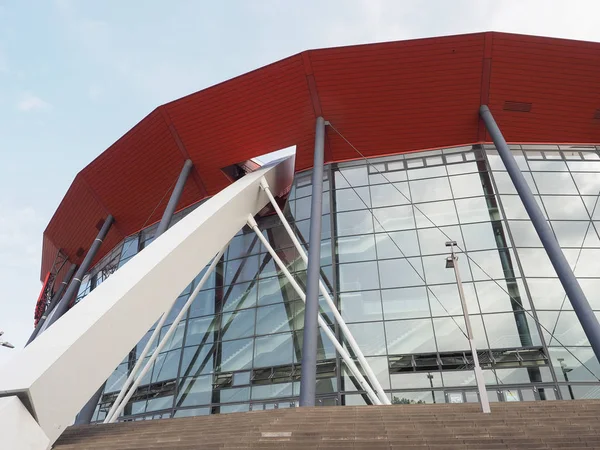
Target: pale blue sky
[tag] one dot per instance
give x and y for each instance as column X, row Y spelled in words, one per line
column 76, row 74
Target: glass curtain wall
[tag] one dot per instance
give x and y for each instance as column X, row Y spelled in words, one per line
column 385, row 225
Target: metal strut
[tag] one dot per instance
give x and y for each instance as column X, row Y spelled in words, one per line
column 336, row 314
column 341, row 350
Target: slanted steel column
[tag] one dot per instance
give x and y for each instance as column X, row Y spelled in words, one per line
column 582, row 308
column 308, row 378
column 63, row 304
column 175, row 196
column 55, row 299
column 87, row 412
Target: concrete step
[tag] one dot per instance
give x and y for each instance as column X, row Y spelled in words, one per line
column 535, row 425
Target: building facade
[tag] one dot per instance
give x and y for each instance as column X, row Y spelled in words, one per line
column 385, row 225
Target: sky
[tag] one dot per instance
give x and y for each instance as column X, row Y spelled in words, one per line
column 75, row 75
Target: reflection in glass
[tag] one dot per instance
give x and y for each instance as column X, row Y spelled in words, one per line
column 361, row 306
column 405, row 337
column 406, row 303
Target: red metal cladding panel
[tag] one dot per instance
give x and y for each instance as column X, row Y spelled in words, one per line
column 559, row 79
column 49, row 251
column 135, row 176
column 74, row 223
column 254, row 114
column 401, row 96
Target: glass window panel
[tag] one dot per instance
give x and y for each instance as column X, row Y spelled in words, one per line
column 395, row 218
column 197, row 360
column 352, row 199
column 274, row 350
column 502, row 330
column 524, row 234
column 405, row 337
column 195, row 391
column 479, row 236
column 592, row 237
column 444, row 299
column 201, row 330
column 440, row 213
column 437, row 273
column 433, row 240
column 430, row 190
column 130, row 247
column 429, row 172
column 587, row 183
column 234, row 395
column 303, row 208
column 370, row 337
column 176, row 339
column 355, row 222
column 450, row 333
column 456, row 169
column 390, row 194
column 359, row 276
column 589, row 263
column 495, row 296
column 474, row 210
column 535, row 263
column 240, row 270
column 554, row 183
column 325, row 349
column 351, row 176
column 584, row 166
column 493, row 263
column 380, row 367
column 116, row 379
column 565, row 328
column 241, row 244
column 204, row 304
column 569, row 363
column 497, row 164
column 275, row 318
column 565, row 208
column 275, row 290
column 353, row 400
column 166, row 366
column 401, row 272
column 591, row 289
column 547, row 166
column 466, row 185
column 236, row 355
column 407, row 303
column 415, row 162
column 570, row 233
column 237, row 324
column 356, row 248
column 172, row 314
column 241, row 295
column 272, row 391
column 388, row 243
column 416, row 380
column 361, row 306
column 547, row 293
column 514, row 209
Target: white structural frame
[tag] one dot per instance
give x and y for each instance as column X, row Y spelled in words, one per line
column 125, row 393
column 339, row 347
column 55, row 375
column 336, row 314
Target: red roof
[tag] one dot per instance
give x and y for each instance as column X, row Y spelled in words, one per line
column 385, row 98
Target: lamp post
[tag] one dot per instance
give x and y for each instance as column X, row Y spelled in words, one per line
column 431, row 384
column 452, row 263
column 5, row 343
column 565, row 371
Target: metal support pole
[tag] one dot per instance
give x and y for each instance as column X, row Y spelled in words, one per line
column 174, row 199
column 582, row 308
column 321, row 322
column 123, row 398
column 308, row 378
column 483, row 397
column 55, row 299
column 86, row 414
column 336, row 314
column 73, row 288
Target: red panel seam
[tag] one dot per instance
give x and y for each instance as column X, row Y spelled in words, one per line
column 314, row 98
column 93, row 194
column 175, row 135
column 486, row 76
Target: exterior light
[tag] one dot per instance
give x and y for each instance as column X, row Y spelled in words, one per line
column 4, row 343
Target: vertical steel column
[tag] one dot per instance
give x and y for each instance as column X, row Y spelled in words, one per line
column 308, row 377
column 73, row 288
column 87, row 412
column 567, row 278
column 55, row 299
column 174, row 199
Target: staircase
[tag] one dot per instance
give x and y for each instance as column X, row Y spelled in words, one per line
column 527, row 425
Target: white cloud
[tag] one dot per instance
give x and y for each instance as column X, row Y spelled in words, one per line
column 30, row 102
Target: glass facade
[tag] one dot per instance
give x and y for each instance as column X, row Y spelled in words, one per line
column 383, row 252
